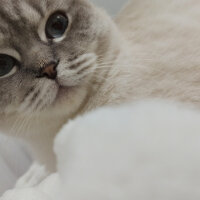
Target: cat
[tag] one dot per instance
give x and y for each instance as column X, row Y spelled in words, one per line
column 51, row 57
column 60, row 59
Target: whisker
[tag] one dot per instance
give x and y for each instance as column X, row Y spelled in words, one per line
column 29, row 118
column 18, row 127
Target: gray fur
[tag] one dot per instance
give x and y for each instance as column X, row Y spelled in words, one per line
column 19, row 23
column 36, row 108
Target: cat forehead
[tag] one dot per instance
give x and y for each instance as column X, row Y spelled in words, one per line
column 22, row 15
column 22, row 19
column 42, row 4
column 30, row 10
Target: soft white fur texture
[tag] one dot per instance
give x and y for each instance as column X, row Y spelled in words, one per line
column 14, row 161
column 141, row 151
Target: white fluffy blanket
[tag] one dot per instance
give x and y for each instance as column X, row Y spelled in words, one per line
column 14, row 161
column 144, row 151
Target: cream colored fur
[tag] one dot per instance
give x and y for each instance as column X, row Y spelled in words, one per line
column 160, row 54
column 164, row 36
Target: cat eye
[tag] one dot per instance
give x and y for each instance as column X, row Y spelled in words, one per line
column 7, row 65
column 56, row 25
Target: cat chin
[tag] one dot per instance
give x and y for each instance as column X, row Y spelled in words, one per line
column 67, row 102
column 64, row 101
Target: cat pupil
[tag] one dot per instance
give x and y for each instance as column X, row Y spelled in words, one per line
column 58, row 26
column 2, row 63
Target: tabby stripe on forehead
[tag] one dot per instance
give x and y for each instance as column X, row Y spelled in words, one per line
column 29, row 12
column 19, row 9
column 7, row 20
column 37, row 7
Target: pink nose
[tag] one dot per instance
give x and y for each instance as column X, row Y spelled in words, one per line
column 50, row 70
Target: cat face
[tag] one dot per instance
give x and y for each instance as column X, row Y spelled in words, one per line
column 48, row 53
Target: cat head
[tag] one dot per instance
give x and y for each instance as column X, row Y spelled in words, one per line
column 49, row 51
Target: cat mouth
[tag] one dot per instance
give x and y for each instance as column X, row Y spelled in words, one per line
column 62, row 90
column 62, row 93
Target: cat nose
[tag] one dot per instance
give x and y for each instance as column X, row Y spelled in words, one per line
column 49, row 70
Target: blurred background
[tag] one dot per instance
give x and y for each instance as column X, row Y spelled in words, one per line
column 14, row 158
column 112, row 6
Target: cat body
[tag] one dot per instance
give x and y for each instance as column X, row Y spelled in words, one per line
column 160, row 55
column 151, row 51
column 164, row 35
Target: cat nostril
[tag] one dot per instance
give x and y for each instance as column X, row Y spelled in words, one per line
column 49, row 70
